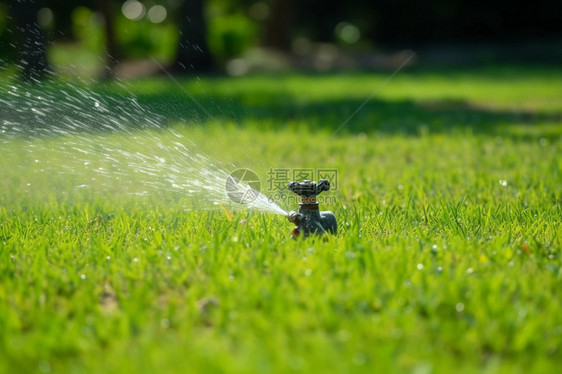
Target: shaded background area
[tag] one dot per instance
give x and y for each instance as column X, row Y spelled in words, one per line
column 512, row 50
column 111, row 37
column 518, row 102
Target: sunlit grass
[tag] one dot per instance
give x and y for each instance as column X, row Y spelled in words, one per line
column 447, row 258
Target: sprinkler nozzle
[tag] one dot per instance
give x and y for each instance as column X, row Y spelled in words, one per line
column 295, row 217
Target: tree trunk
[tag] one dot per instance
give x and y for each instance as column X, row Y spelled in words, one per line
column 32, row 54
column 111, row 47
column 193, row 54
column 277, row 33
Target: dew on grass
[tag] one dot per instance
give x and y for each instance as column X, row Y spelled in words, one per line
column 359, row 359
column 296, row 363
column 165, row 323
column 343, row 335
column 44, row 366
column 396, row 333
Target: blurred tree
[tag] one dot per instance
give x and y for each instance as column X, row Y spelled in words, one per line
column 193, row 54
column 62, row 10
column 7, row 54
column 317, row 22
column 436, row 21
column 33, row 63
column 278, row 26
column 236, row 25
column 111, row 46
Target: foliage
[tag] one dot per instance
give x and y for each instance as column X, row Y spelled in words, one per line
column 230, row 31
column 140, row 39
column 5, row 33
column 87, row 28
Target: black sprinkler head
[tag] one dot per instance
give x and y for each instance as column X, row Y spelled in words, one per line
column 308, row 188
column 309, row 220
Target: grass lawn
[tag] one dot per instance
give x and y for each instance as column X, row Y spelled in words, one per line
column 448, row 255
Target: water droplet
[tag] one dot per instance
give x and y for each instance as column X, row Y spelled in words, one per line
column 165, row 323
column 359, row 359
column 44, row 366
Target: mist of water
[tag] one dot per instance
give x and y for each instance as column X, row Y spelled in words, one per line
column 109, row 143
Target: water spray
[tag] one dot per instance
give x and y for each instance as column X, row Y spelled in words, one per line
column 309, row 219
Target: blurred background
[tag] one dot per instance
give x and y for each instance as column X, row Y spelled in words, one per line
column 107, row 38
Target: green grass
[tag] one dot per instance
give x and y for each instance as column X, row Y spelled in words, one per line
column 437, row 267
